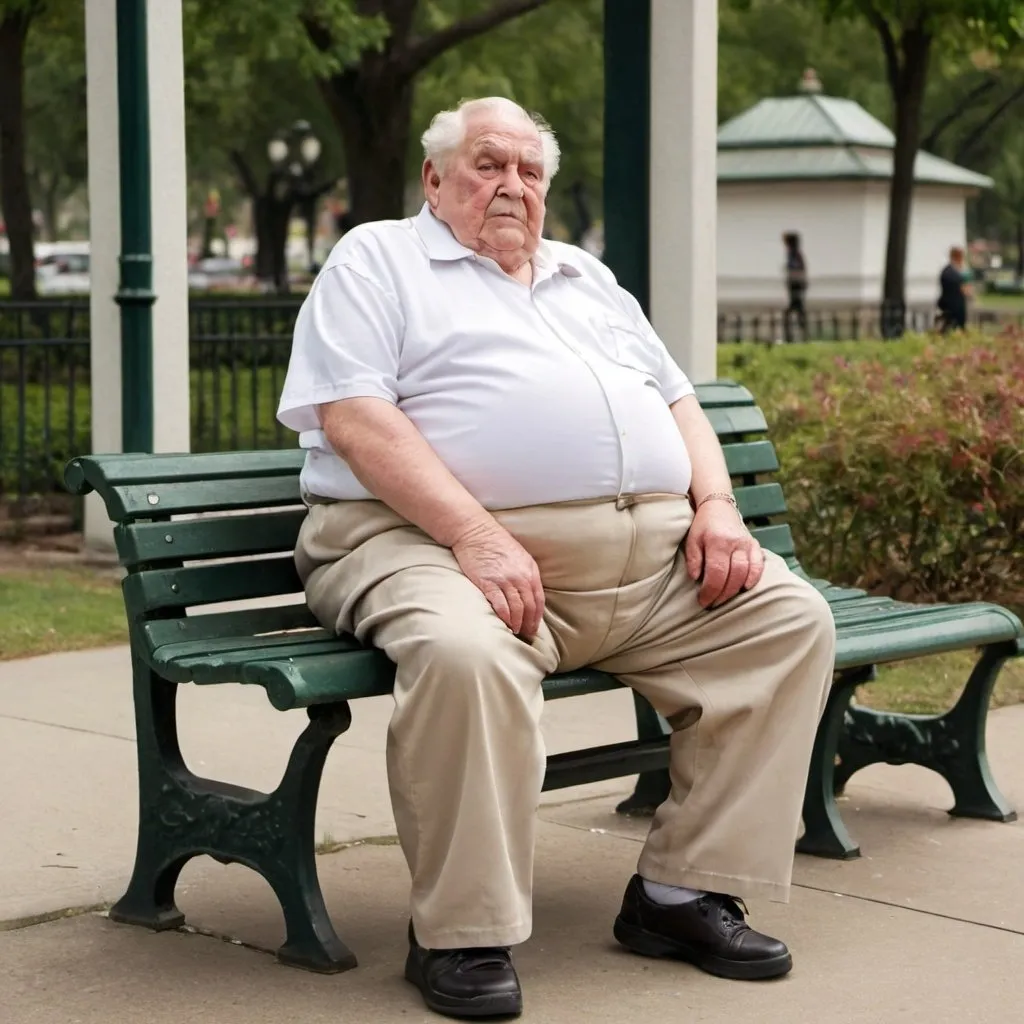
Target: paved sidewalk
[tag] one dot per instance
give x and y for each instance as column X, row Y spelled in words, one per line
column 928, row 926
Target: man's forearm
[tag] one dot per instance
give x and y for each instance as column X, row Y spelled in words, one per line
column 710, row 474
column 393, row 461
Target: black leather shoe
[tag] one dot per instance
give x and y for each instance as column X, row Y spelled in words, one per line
column 710, row 932
column 465, row 983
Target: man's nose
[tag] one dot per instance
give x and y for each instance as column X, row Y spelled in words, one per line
column 510, row 185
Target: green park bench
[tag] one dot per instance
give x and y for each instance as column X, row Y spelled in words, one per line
column 185, row 546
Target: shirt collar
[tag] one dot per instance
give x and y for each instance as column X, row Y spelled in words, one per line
column 441, row 244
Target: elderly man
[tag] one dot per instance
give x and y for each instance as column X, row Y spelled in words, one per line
column 508, row 476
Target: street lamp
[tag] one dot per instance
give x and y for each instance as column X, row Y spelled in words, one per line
column 293, row 154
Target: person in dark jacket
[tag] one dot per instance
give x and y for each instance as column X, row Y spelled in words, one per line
column 953, row 293
column 796, row 284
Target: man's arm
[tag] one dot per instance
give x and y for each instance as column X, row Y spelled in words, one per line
column 718, row 545
column 393, row 461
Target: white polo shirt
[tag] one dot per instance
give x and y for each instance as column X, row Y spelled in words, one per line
column 530, row 394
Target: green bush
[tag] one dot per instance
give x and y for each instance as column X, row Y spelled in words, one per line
column 902, row 462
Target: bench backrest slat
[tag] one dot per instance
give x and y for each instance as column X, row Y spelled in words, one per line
column 777, row 538
column 760, row 501
column 750, row 458
column 214, row 537
column 155, row 589
column 147, row 501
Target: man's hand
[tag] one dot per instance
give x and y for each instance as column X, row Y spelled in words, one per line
column 719, row 546
column 506, row 575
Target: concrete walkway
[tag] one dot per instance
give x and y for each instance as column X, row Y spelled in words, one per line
column 927, row 927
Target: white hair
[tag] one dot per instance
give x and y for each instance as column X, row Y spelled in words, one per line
column 447, row 131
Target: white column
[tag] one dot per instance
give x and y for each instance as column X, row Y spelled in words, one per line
column 684, row 181
column 170, row 312
column 170, row 226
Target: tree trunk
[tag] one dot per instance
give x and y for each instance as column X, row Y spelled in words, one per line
column 51, row 205
column 15, row 197
column 264, row 262
column 908, row 99
column 373, row 116
column 271, row 217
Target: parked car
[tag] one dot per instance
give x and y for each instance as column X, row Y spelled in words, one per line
column 62, row 268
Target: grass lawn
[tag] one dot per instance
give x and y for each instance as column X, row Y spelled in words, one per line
column 64, row 609
column 58, row 609
column 1002, row 303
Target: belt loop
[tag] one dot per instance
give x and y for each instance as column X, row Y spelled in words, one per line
column 624, row 501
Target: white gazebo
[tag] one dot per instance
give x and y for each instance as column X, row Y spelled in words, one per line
column 822, row 166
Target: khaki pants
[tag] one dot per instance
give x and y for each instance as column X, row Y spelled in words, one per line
column 743, row 687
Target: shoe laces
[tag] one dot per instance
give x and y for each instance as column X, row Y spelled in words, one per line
column 732, row 910
column 480, row 959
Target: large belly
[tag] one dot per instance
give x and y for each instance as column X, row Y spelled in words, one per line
column 550, row 434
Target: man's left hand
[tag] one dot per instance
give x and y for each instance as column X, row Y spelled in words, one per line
column 721, row 548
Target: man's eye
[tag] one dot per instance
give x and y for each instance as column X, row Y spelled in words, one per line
column 532, row 175
column 487, row 167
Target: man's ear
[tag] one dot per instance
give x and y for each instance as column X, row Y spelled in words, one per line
column 431, row 178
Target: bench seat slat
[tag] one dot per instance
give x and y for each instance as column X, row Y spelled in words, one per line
column 881, row 641
column 242, row 623
column 311, row 668
column 222, row 537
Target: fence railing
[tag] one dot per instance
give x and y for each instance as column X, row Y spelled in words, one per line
column 238, row 354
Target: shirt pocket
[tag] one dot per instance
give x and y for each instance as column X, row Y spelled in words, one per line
column 624, row 343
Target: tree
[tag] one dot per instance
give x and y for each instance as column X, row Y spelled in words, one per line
column 551, row 62
column 1009, row 176
column 911, row 33
column 16, row 17
column 371, row 98
column 55, row 109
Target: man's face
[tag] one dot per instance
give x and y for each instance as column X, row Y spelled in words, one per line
column 492, row 192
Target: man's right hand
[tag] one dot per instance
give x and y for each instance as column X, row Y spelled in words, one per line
column 506, row 575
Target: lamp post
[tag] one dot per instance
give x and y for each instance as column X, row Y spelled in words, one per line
column 293, row 156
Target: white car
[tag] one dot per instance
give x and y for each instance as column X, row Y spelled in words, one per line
column 63, row 269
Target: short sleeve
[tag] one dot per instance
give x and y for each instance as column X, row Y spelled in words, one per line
column 672, row 382
column 346, row 344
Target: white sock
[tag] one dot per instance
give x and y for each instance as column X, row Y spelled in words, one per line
column 669, row 895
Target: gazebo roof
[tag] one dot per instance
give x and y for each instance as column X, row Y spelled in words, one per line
column 811, row 136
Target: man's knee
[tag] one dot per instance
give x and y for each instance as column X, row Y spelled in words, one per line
column 476, row 661
column 799, row 609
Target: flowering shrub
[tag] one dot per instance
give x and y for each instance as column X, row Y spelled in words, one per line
column 902, row 462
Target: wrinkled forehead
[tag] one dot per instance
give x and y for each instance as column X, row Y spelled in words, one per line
column 517, row 137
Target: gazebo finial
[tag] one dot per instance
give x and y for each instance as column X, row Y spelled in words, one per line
column 810, row 83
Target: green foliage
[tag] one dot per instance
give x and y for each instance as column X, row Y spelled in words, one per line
column 903, row 463
column 55, row 107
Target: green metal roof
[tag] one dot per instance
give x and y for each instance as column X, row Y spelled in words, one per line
column 815, row 137
column 839, row 163
column 808, row 120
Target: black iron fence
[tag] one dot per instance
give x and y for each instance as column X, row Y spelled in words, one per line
column 238, row 353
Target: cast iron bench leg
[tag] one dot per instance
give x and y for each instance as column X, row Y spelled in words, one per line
column 182, row 815
column 652, row 788
column 952, row 744
column 825, row 835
